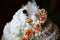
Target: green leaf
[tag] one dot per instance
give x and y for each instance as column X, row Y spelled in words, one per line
column 20, row 33
column 31, row 24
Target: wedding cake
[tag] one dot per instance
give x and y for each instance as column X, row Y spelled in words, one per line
column 30, row 23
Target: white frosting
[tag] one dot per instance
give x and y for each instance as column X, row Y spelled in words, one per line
column 18, row 22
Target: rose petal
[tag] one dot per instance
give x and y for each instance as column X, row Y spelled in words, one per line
column 37, row 27
column 43, row 19
column 24, row 38
column 29, row 32
column 43, row 11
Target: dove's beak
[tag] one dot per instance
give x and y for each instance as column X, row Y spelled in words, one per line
column 29, row 20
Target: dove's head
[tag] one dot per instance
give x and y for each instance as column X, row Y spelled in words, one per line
column 28, row 11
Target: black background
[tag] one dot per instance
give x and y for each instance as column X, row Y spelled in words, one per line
column 9, row 7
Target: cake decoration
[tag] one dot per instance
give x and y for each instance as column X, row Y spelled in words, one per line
column 27, row 25
column 42, row 11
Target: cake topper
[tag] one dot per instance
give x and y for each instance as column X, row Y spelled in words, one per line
column 26, row 24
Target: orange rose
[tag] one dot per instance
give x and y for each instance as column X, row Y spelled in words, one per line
column 43, row 11
column 37, row 27
column 29, row 32
column 24, row 38
column 43, row 19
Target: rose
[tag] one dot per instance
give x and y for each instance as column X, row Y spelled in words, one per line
column 37, row 27
column 43, row 11
column 29, row 32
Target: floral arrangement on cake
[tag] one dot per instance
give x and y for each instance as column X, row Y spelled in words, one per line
column 27, row 25
column 29, row 31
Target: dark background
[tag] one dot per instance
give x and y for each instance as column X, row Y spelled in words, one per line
column 9, row 7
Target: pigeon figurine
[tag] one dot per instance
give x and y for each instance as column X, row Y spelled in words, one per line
column 30, row 23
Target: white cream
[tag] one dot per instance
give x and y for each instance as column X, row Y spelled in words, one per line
column 12, row 28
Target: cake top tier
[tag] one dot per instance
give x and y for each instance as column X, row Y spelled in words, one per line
column 33, row 17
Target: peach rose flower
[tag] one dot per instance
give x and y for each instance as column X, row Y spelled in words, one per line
column 43, row 19
column 37, row 27
column 29, row 32
column 24, row 38
column 43, row 11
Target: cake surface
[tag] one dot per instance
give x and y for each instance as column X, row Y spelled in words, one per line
column 30, row 23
